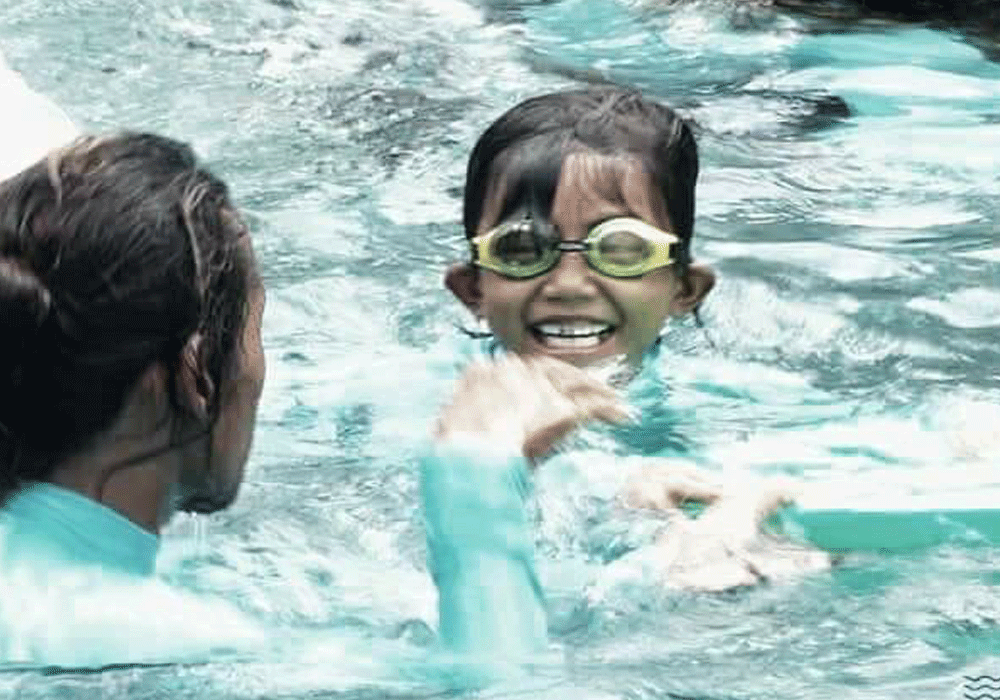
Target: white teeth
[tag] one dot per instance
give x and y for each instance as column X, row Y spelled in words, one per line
column 572, row 334
column 576, row 330
column 572, row 341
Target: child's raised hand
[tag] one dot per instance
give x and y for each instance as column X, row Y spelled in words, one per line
column 533, row 402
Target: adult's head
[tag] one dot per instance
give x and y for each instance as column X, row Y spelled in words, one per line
column 567, row 162
column 130, row 316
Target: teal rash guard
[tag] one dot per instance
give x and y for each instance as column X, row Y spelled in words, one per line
column 46, row 528
column 481, row 550
column 78, row 590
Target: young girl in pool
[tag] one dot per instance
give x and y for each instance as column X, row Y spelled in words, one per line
column 579, row 211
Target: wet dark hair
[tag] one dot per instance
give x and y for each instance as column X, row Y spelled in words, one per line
column 114, row 252
column 525, row 148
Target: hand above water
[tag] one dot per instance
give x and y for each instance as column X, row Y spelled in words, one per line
column 531, row 403
column 726, row 545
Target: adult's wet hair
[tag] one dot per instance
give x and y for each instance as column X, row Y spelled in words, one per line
column 114, row 252
column 525, row 148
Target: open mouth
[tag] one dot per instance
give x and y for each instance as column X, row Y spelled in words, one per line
column 560, row 335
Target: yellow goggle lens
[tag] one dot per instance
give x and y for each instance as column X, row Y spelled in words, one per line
column 622, row 247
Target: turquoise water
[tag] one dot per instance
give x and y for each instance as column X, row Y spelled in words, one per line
column 848, row 201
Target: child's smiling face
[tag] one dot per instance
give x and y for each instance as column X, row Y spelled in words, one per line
column 573, row 312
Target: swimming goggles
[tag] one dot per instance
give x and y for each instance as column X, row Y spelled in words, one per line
column 621, row 247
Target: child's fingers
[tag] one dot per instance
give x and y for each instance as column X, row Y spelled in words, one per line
column 565, row 377
column 537, row 400
column 540, row 441
column 671, row 483
column 563, row 416
column 747, row 510
column 644, row 495
column 591, row 398
column 682, row 469
column 669, row 493
column 769, row 501
column 771, row 495
column 589, row 407
column 486, row 399
column 681, row 491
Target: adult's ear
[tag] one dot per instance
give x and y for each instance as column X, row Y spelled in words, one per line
column 696, row 285
column 194, row 386
column 463, row 281
column 149, row 403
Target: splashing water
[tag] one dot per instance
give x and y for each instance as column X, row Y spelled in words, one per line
column 847, row 200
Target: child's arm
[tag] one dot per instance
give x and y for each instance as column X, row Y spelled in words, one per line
column 480, row 545
column 474, row 487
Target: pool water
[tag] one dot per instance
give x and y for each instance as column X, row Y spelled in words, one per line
column 847, row 201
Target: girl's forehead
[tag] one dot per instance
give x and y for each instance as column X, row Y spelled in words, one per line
column 592, row 184
column 582, row 175
column 620, row 179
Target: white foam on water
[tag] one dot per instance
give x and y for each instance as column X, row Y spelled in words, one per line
column 947, row 458
column 837, row 262
column 976, row 307
column 417, row 193
column 905, row 215
column 888, row 81
column 90, row 619
column 30, row 124
column 915, row 81
column 988, row 254
column 708, row 26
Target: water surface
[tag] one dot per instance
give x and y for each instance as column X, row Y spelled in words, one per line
column 847, row 199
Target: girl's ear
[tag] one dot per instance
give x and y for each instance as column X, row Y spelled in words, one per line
column 698, row 282
column 463, row 281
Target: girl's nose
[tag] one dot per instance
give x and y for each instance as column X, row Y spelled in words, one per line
column 571, row 279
